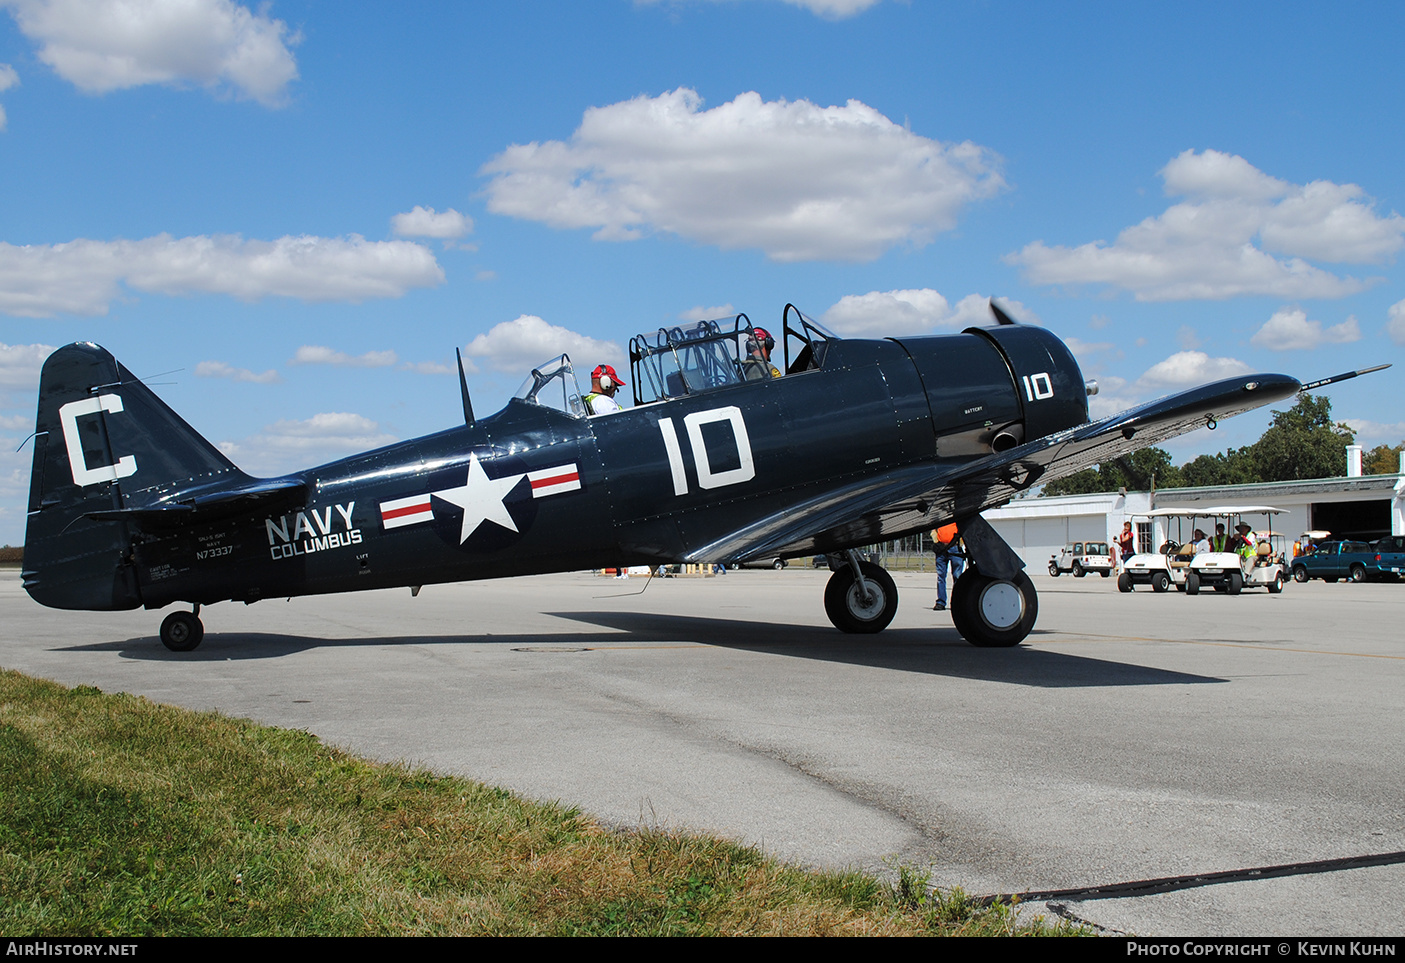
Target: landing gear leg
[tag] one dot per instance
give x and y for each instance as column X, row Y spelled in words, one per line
column 994, row 604
column 182, row 631
column 860, row 597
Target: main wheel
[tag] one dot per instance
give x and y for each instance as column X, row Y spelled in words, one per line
column 991, row 612
column 1160, row 581
column 1124, row 582
column 1358, row 573
column 1192, row 584
column 181, row 631
column 1077, row 570
column 1235, row 584
column 1053, row 568
column 1300, row 574
column 849, row 609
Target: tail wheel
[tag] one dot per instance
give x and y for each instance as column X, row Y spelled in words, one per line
column 994, row 613
column 1235, row 584
column 181, row 631
column 1124, row 582
column 1053, row 568
column 1160, row 581
column 851, row 610
column 1300, row 574
column 1192, row 584
column 1358, row 573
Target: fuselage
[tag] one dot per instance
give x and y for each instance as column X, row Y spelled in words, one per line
column 534, row 489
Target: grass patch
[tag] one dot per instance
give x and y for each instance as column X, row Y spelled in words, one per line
column 122, row 817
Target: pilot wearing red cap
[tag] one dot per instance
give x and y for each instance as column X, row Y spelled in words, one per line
column 603, row 385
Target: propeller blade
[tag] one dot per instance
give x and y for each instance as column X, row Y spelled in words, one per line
column 1000, row 316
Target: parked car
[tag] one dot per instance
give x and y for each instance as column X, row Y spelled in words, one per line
column 1390, row 555
column 1080, row 558
column 772, row 562
column 1330, row 561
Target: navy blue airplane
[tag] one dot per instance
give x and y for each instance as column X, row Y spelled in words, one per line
column 719, row 460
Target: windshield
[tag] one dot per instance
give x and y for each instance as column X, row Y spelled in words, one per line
column 553, row 385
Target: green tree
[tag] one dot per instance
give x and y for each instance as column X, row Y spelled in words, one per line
column 1382, row 460
column 1302, row 442
column 1134, row 472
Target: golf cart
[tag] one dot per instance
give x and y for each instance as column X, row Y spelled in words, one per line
column 1166, row 567
column 1247, row 559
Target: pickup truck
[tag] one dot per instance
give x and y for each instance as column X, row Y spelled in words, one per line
column 1390, row 555
column 1330, row 561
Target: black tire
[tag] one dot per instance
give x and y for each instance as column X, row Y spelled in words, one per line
column 1329, row 578
column 1276, row 585
column 1078, row 570
column 1192, row 584
column 1053, row 568
column 848, row 610
column 1105, row 573
column 994, row 613
column 778, row 564
column 181, row 631
column 1358, row 573
column 1124, row 582
column 1300, row 574
column 1235, row 583
column 1160, row 581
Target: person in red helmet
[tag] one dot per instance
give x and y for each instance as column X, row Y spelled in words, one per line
column 757, row 365
column 603, row 385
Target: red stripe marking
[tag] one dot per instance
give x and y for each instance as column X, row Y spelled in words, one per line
column 408, row 510
column 556, row 479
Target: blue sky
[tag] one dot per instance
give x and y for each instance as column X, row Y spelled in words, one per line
column 301, row 208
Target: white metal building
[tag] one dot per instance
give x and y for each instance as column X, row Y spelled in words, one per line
column 1354, row 506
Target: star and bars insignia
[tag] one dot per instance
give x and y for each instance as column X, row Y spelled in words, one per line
column 481, row 498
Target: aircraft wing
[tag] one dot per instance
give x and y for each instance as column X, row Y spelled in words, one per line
column 914, row 498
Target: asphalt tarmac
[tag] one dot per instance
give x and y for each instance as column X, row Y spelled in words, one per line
column 1132, row 737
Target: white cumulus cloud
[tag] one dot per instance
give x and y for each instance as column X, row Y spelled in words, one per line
column 1395, row 324
column 319, row 354
column 515, row 346
column 291, row 444
column 20, row 364
column 1372, row 433
column 8, row 79
column 83, row 276
column 912, row 311
column 427, row 222
column 1290, row 329
column 799, row 181
column 702, row 313
column 1239, row 232
column 102, row 45
column 220, row 369
column 828, row 9
column 1185, row 369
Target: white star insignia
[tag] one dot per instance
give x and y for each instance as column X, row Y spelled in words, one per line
column 482, row 499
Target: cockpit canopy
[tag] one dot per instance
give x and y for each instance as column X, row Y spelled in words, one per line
column 553, row 385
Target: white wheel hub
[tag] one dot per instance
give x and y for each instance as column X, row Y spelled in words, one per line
column 866, row 609
column 1002, row 605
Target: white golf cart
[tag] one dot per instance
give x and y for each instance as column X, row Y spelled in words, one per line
column 1239, row 564
column 1080, row 558
column 1167, row 566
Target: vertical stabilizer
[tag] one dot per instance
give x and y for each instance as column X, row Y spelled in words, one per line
column 104, row 443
